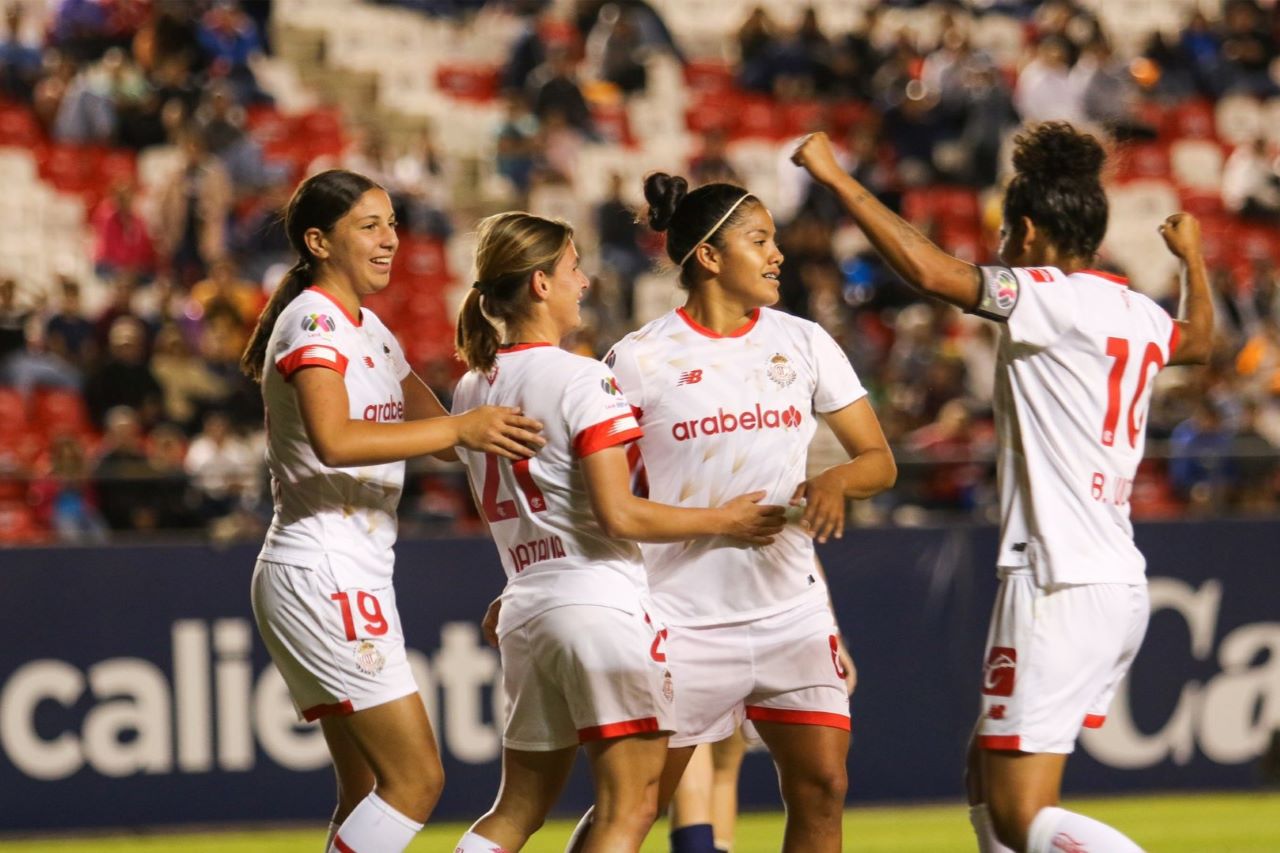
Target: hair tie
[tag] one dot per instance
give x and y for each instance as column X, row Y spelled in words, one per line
column 714, row 228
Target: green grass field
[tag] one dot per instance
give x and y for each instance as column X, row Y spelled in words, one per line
column 1183, row 823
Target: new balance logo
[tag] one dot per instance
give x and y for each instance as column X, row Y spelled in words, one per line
column 368, row 362
column 996, row 712
column 689, row 377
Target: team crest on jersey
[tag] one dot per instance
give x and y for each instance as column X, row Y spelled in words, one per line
column 668, row 688
column 368, row 362
column 492, row 375
column 610, row 386
column 318, row 323
column 781, row 371
column 369, row 659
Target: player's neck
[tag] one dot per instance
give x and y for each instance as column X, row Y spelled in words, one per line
column 340, row 293
column 533, row 331
column 1069, row 264
column 716, row 312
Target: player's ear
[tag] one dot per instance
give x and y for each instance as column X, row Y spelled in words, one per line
column 1028, row 233
column 539, row 285
column 316, row 241
column 708, row 257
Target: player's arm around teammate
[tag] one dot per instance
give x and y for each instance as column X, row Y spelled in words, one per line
column 582, row 662
column 334, row 382
column 1067, row 624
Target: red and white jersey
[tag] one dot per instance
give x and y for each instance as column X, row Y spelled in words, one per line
column 1074, row 371
column 723, row 416
column 344, row 515
column 551, row 546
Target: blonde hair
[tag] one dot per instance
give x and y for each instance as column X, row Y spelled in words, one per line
column 510, row 248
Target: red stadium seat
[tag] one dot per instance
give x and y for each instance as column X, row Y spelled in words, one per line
column 847, row 115
column 18, row 127
column 469, row 82
column 1200, row 202
column 709, row 76
column 1145, row 160
column 757, row 116
column 421, row 257
column 713, row 111
column 18, row 525
column 1193, row 119
column 13, row 411
column 70, row 168
column 801, row 117
column 58, row 410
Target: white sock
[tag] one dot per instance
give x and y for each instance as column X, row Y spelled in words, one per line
column 1056, row 830
column 328, row 842
column 374, row 827
column 472, row 843
column 980, row 817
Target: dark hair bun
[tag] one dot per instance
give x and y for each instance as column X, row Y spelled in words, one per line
column 664, row 193
column 1054, row 150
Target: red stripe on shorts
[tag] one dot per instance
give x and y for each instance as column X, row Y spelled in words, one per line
column 315, row 712
column 1001, row 742
column 342, row 846
column 1094, row 721
column 803, row 718
column 644, row 725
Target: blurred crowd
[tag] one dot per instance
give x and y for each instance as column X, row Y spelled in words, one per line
column 153, row 428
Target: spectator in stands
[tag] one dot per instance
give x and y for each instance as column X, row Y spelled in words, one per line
column 1251, row 182
column 1247, row 50
column 418, row 184
column 756, row 38
column 1199, row 458
column 124, row 378
column 188, row 385
column 121, row 241
column 528, row 52
column 13, row 319
column 67, row 330
column 223, row 467
column 89, row 110
column 172, row 501
column 799, row 60
column 56, row 75
column 20, row 63
column 63, row 496
column 222, row 340
column 1254, row 458
column 220, row 122
column 37, row 364
column 947, row 453
column 193, row 211
column 122, row 474
column 554, row 89
column 231, row 40
column 988, row 116
column 711, row 164
column 615, row 50
column 517, row 135
column 619, row 236
column 855, row 58
column 257, row 236
column 226, row 290
column 1109, row 94
column 1045, row 89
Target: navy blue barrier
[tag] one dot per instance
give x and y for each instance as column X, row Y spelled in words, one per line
column 134, row 690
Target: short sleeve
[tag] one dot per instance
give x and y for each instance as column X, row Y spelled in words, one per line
column 838, row 385
column 596, row 411
column 307, row 339
column 622, row 361
column 1045, row 307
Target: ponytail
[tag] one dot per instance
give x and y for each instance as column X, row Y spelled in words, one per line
column 296, row 280
column 477, row 337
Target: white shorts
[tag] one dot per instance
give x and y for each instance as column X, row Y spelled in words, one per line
column 340, row 651
column 778, row 669
column 1054, row 660
column 584, row 672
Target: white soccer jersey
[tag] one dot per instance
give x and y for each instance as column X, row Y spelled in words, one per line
column 347, row 515
column 723, row 416
column 1076, row 362
column 551, row 546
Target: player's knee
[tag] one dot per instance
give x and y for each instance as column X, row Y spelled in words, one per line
column 823, row 787
column 416, row 793
column 1012, row 821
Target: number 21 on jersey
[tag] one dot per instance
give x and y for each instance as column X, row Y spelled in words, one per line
column 504, row 510
column 1119, row 350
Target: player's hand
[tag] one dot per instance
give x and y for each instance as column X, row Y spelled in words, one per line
column 815, row 154
column 846, row 664
column 1181, row 233
column 501, row 430
column 489, row 625
column 752, row 522
column 824, row 506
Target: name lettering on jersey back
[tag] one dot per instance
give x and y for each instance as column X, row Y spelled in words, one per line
column 392, row 410
column 526, row 554
column 724, row 422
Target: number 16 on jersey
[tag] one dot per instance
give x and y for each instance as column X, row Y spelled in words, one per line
column 494, row 481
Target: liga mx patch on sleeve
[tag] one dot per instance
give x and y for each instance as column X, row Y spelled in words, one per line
column 999, row 294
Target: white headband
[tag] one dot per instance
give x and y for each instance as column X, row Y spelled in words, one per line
column 714, row 229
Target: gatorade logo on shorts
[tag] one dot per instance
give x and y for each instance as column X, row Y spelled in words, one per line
column 998, row 677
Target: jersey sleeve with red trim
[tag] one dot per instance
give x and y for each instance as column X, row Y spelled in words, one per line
column 307, row 339
column 1046, row 307
column 838, row 385
column 596, row 411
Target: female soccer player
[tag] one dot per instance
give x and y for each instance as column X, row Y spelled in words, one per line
column 726, row 391
column 582, row 661
column 1077, row 353
column 343, row 412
